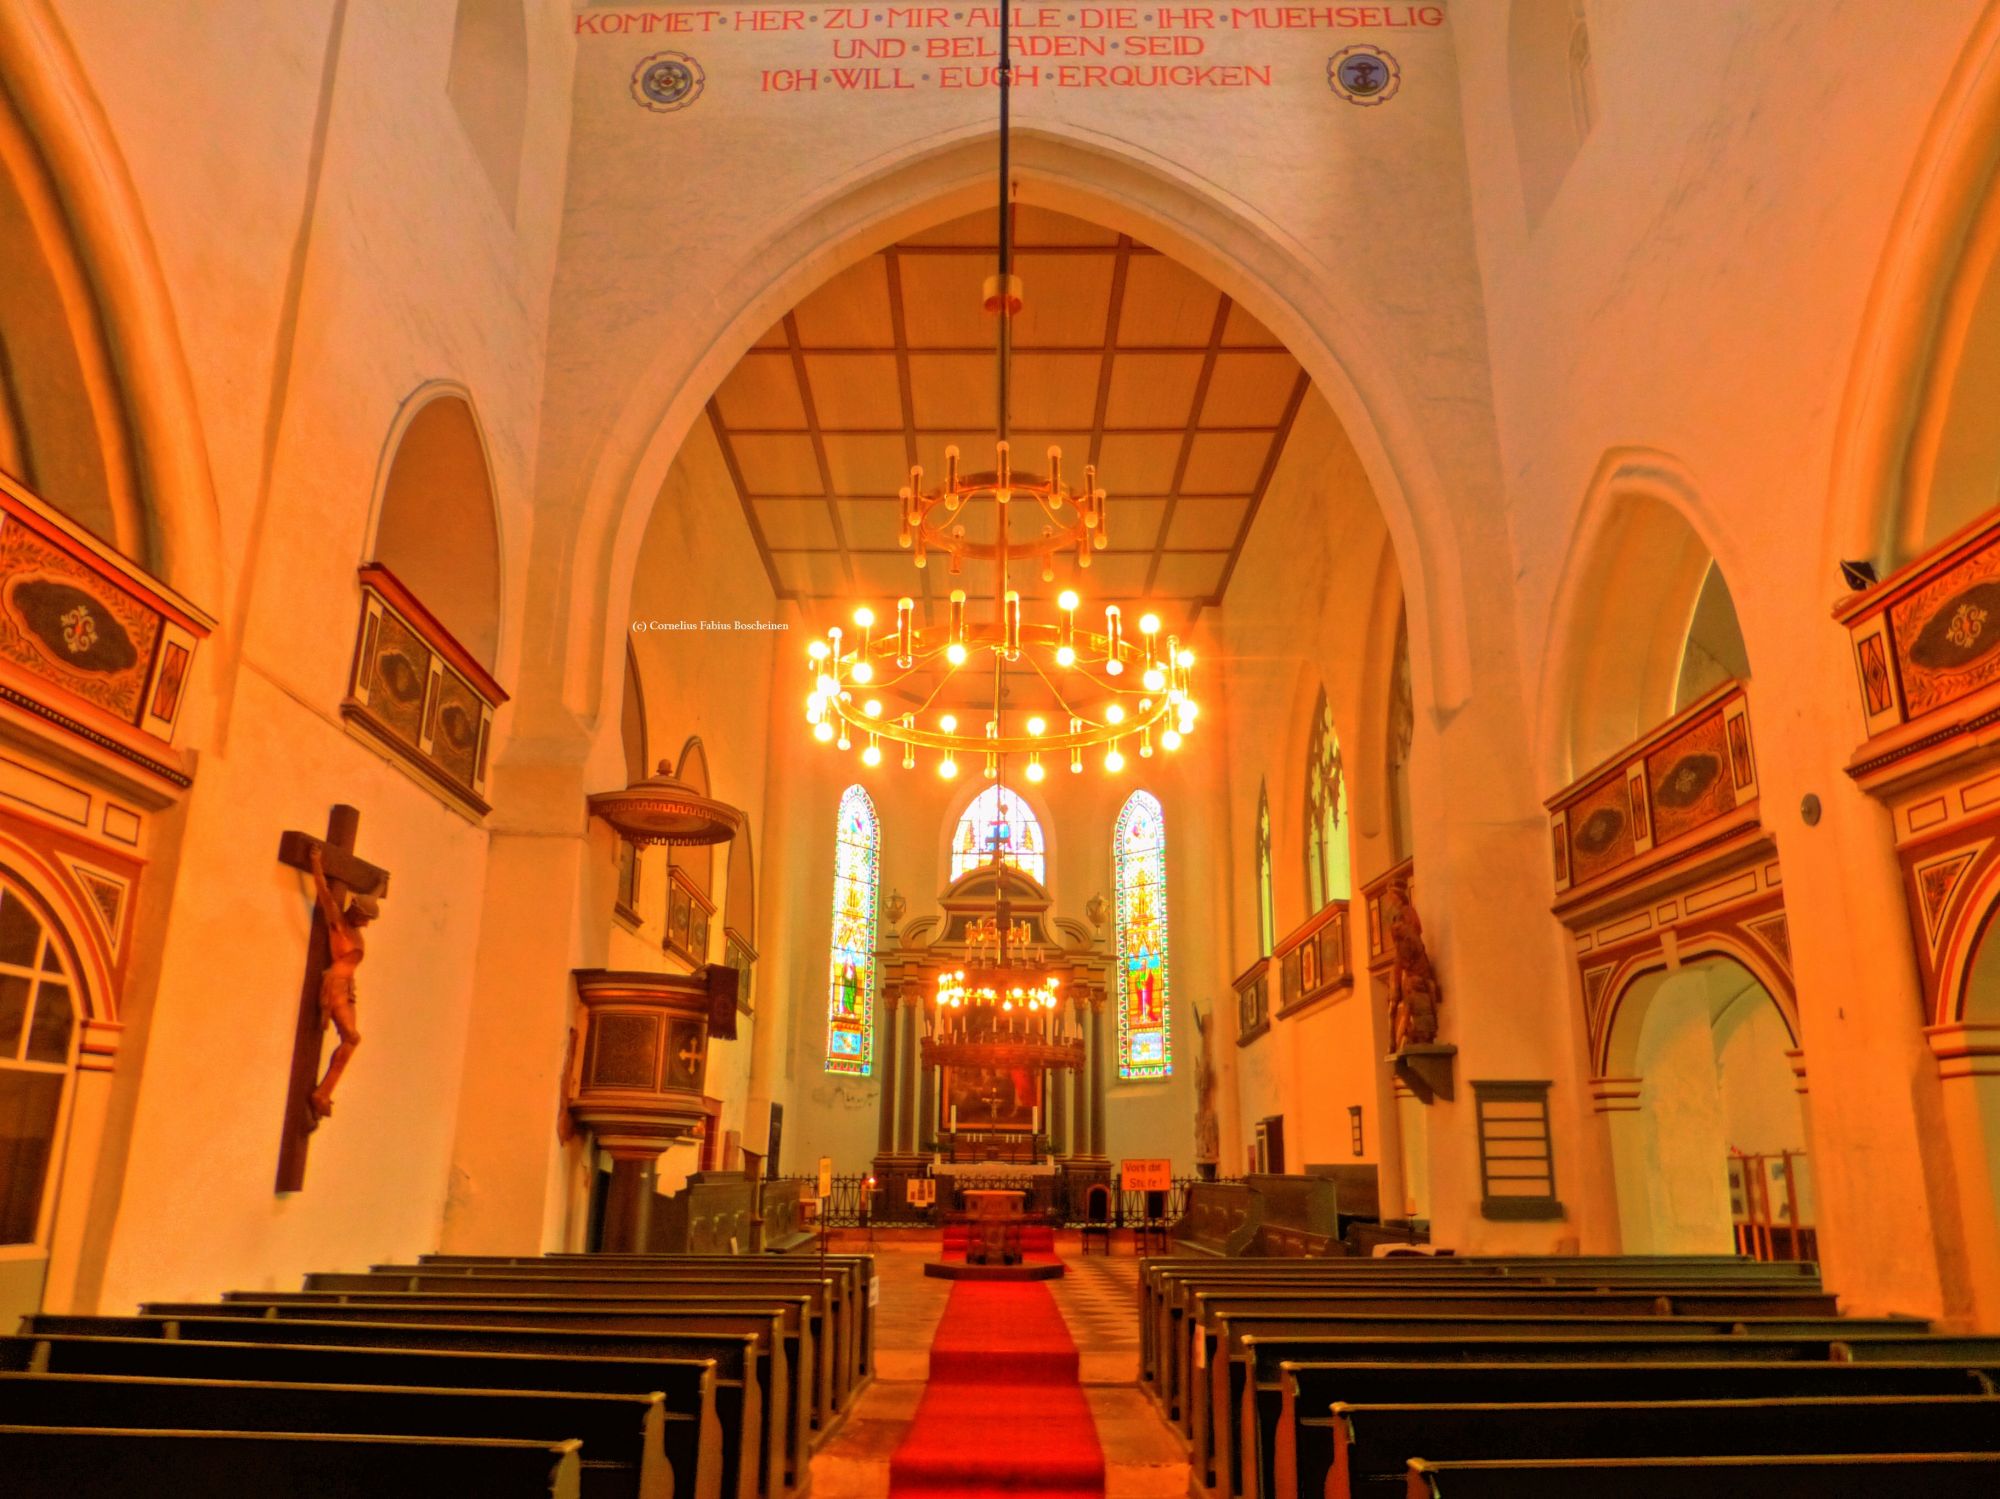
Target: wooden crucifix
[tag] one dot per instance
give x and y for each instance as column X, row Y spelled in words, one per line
column 345, row 892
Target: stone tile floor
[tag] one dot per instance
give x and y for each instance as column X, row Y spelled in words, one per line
column 1098, row 1298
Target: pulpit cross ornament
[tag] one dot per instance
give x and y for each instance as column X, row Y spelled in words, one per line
column 346, row 892
column 690, row 1054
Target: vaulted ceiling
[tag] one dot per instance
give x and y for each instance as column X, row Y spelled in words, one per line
column 1123, row 357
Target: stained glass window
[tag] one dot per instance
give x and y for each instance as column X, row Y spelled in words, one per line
column 850, row 1008
column 1326, row 815
column 999, row 816
column 1267, row 915
column 1139, row 871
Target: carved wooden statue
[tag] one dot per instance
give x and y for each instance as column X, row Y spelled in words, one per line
column 1413, row 987
column 346, row 890
column 345, row 949
column 1207, row 1132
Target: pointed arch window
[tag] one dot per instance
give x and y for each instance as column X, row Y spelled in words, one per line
column 850, row 1017
column 1267, row 914
column 1139, row 872
column 998, row 817
column 38, row 1016
column 1327, row 878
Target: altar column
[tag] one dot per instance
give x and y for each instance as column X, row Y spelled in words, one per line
column 1057, row 1093
column 906, row 1120
column 1079, row 1086
column 1095, row 1062
column 885, row 1140
column 927, row 1081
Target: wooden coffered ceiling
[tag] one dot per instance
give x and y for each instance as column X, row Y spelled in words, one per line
column 1123, row 357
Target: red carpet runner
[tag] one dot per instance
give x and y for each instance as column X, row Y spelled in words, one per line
column 1003, row 1413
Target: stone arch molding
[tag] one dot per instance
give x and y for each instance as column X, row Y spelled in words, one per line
column 46, row 82
column 1963, row 921
column 1080, row 172
column 1615, row 1027
column 413, row 406
column 1580, row 611
column 1957, row 167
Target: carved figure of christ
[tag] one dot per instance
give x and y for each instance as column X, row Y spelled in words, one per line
column 346, row 890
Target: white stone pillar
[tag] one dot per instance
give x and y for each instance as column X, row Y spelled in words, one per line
column 1968, row 1059
column 1615, row 1101
column 1413, row 1180
column 550, row 880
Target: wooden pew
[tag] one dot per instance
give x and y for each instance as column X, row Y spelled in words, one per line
column 1374, row 1443
column 1298, row 1458
column 1205, row 1300
column 52, row 1462
column 1223, row 1380
column 753, row 1455
column 1264, row 1357
column 859, row 1286
column 807, row 1360
column 832, row 1296
column 787, row 1448
column 834, row 1310
column 623, row 1454
column 1955, row 1475
column 859, row 1268
column 1165, row 1286
column 693, row 1435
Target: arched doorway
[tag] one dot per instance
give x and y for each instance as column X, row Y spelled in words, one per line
column 1708, row 1124
column 41, row 1004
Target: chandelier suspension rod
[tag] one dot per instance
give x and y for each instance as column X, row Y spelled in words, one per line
column 1004, row 341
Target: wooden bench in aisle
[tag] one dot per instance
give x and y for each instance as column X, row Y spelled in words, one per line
column 1373, row 1444
column 842, row 1317
column 692, row 1435
column 50, row 1462
column 1546, row 1377
column 1244, row 1391
column 753, row 1447
column 785, row 1348
column 1301, row 1449
column 623, row 1454
column 855, row 1274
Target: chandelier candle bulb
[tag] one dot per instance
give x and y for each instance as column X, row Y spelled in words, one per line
column 1055, row 473
column 1087, row 501
column 1146, row 743
column 1011, row 620
column 872, row 755
column 906, row 609
column 951, row 469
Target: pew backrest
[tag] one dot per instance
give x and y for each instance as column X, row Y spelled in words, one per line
column 46, row 1462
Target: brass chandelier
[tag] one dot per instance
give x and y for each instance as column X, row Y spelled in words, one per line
column 1113, row 687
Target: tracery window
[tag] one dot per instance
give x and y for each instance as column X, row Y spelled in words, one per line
column 998, row 816
column 1326, row 814
column 38, row 1012
column 1267, row 915
column 1139, row 873
column 850, row 1009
